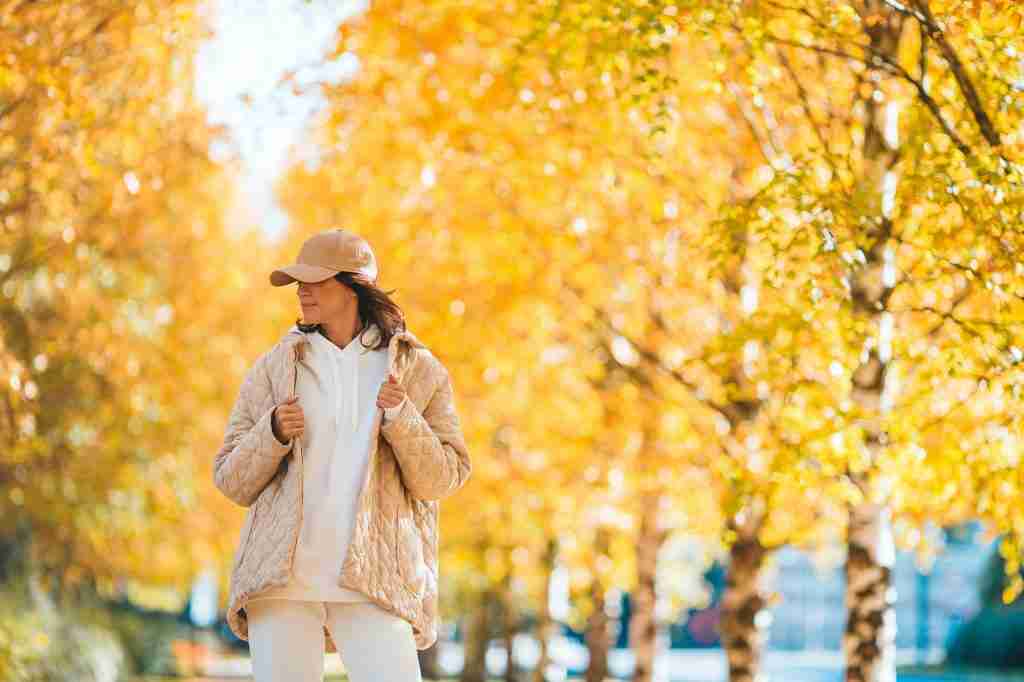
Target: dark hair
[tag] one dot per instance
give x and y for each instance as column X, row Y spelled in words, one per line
column 375, row 307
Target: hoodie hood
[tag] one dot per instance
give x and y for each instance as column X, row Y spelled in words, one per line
column 401, row 348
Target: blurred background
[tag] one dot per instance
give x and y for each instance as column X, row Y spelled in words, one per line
column 731, row 294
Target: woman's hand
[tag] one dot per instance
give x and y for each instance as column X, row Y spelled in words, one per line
column 391, row 393
column 288, row 420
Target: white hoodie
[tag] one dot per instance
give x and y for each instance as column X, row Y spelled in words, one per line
column 337, row 389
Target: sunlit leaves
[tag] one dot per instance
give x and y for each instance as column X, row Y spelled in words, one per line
column 109, row 298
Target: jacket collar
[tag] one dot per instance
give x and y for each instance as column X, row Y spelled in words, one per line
column 401, row 348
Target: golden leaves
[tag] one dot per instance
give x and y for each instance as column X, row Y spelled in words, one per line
column 772, row 129
column 100, row 177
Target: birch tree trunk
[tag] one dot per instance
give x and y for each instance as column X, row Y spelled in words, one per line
column 869, row 639
column 870, row 629
column 742, row 630
column 598, row 635
column 643, row 630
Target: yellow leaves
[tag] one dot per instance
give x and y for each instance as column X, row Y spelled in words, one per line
column 12, row 81
column 82, row 116
column 1011, row 550
column 1015, row 22
column 1013, row 589
column 605, row 344
column 872, row 19
column 999, row 17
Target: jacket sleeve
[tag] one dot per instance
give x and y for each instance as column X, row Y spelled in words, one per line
column 430, row 448
column 251, row 453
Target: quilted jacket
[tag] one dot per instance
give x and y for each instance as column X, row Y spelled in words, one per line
column 416, row 459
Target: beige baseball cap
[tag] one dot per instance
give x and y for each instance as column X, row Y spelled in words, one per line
column 326, row 254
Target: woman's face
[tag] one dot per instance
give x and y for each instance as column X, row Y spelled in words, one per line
column 322, row 301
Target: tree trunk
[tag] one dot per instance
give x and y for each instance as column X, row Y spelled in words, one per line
column 742, row 630
column 15, row 554
column 598, row 635
column 478, row 637
column 508, row 622
column 546, row 627
column 643, row 626
column 869, row 637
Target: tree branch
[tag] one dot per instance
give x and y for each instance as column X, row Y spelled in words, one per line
column 970, row 93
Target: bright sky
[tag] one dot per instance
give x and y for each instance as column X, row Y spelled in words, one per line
column 255, row 45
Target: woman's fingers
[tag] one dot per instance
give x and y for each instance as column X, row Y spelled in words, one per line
column 288, row 411
column 292, row 420
column 389, row 393
column 290, row 417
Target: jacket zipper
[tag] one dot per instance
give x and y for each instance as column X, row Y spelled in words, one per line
column 298, row 456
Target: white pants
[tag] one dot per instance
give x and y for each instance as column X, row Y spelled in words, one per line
column 286, row 641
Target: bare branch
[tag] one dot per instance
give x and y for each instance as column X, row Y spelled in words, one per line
column 970, row 93
column 882, row 61
column 804, row 101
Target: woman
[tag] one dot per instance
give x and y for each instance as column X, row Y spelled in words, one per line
column 342, row 441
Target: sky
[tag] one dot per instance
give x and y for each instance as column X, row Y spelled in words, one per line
column 240, row 78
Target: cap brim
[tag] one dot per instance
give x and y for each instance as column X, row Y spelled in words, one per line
column 300, row 272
